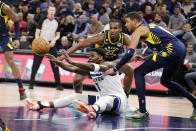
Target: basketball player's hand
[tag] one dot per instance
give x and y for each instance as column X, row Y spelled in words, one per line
column 138, row 58
column 66, row 56
column 52, row 43
column 110, row 72
column 16, row 43
column 51, row 58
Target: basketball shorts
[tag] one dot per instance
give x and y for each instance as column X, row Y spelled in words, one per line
column 7, row 44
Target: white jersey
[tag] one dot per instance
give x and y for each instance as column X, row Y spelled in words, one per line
column 107, row 85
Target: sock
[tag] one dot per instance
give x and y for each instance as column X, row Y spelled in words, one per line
column 19, row 81
column 96, row 108
column 44, row 104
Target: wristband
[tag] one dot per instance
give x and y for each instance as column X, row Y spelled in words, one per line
column 128, row 55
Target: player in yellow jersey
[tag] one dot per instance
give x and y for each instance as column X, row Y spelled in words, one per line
column 170, row 53
column 8, row 45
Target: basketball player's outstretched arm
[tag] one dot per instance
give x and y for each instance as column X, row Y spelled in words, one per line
column 7, row 11
column 86, row 66
column 67, row 66
column 97, row 39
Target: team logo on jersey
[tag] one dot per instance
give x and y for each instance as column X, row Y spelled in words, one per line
column 119, row 44
column 153, row 78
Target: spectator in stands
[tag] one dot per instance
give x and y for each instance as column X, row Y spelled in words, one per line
column 64, row 10
column 62, row 26
column 107, row 5
column 23, row 24
column 190, row 65
column 144, row 50
column 77, row 12
column 142, row 15
column 191, row 13
column 64, row 44
column 96, row 26
column 91, row 8
column 172, row 5
column 71, row 4
column 38, row 15
column 120, row 7
column 146, row 3
column 34, row 4
column 85, row 5
column 176, row 23
column 25, row 11
column 115, row 14
column 158, row 5
column 187, row 5
column 158, row 20
column 81, row 29
column 133, row 5
column 44, row 6
column 188, row 36
column 165, row 15
column 103, row 16
column 69, row 25
column 31, row 27
column 57, row 5
column 149, row 16
column 24, row 43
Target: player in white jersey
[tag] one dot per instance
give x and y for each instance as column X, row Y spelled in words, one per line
column 112, row 97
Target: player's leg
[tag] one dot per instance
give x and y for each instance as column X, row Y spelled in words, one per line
column 77, row 83
column 61, row 102
column 8, row 48
column 166, row 81
column 36, row 63
column 55, row 70
column 10, row 60
column 149, row 65
column 127, row 69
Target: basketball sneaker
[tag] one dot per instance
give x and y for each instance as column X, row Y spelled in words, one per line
column 85, row 108
column 129, row 107
column 32, row 104
column 22, row 94
column 137, row 115
column 193, row 116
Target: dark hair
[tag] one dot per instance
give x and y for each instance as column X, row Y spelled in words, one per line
column 159, row 14
column 99, row 51
column 116, row 20
column 134, row 15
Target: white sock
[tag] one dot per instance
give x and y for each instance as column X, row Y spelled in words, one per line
column 95, row 107
column 45, row 104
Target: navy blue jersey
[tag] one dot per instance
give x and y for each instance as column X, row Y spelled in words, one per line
column 112, row 49
column 158, row 37
column 4, row 28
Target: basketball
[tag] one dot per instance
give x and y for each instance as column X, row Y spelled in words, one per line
column 40, row 46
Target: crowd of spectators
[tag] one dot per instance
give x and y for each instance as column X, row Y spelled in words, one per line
column 85, row 18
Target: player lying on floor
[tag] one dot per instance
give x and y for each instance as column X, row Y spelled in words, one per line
column 112, row 97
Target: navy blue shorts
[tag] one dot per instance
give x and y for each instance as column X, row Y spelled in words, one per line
column 7, row 44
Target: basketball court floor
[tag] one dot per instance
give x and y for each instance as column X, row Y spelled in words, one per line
column 166, row 113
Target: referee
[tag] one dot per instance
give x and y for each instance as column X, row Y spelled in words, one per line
column 48, row 28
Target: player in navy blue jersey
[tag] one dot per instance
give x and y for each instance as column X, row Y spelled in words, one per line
column 170, row 53
column 8, row 45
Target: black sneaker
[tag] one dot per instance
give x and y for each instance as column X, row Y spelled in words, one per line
column 31, row 86
column 137, row 115
column 22, row 94
column 193, row 116
column 59, row 88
